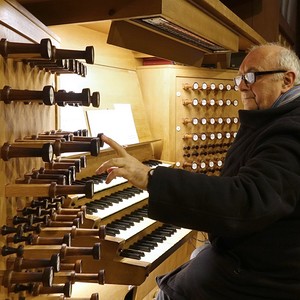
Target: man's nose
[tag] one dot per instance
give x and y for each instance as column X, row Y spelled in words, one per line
column 243, row 85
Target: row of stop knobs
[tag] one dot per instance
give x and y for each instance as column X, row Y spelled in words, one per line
column 211, row 102
column 49, row 96
column 211, row 121
column 47, row 146
column 43, row 52
column 49, row 58
column 196, row 86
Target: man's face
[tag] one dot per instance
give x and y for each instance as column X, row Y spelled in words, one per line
column 267, row 87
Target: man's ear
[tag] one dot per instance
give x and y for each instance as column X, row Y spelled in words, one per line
column 288, row 80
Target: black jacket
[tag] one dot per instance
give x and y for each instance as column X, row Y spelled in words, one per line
column 251, row 211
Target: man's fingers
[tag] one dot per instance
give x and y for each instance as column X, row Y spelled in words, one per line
column 113, row 144
column 112, row 163
column 111, row 175
column 114, row 173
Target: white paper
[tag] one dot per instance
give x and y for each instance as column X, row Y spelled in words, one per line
column 72, row 118
column 116, row 123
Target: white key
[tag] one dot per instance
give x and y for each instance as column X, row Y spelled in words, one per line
column 170, row 241
column 103, row 186
column 103, row 213
column 135, row 229
column 98, row 187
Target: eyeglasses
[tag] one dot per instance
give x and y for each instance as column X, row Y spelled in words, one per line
column 250, row 77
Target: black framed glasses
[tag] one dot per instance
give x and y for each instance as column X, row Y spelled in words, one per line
column 250, row 77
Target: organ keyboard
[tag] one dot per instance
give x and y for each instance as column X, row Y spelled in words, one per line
column 99, row 180
column 135, row 246
column 117, row 201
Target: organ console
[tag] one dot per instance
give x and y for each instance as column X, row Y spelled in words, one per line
column 133, row 242
column 66, row 225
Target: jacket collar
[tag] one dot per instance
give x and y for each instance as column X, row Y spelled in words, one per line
column 257, row 118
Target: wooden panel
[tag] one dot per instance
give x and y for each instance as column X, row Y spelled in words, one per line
column 105, row 55
column 152, row 43
column 53, row 12
column 261, row 15
column 165, row 84
column 200, row 23
column 247, row 34
column 210, row 20
column 158, row 84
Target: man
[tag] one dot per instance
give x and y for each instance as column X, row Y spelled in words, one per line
column 251, row 211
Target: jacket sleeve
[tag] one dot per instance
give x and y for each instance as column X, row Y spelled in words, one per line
column 264, row 190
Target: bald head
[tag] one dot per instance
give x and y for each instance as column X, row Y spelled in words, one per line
column 274, row 69
column 273, row 55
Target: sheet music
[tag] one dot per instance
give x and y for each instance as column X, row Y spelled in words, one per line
column 72, row 118
column 117, row 123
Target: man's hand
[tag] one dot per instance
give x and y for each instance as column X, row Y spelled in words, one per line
column 124, row 165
